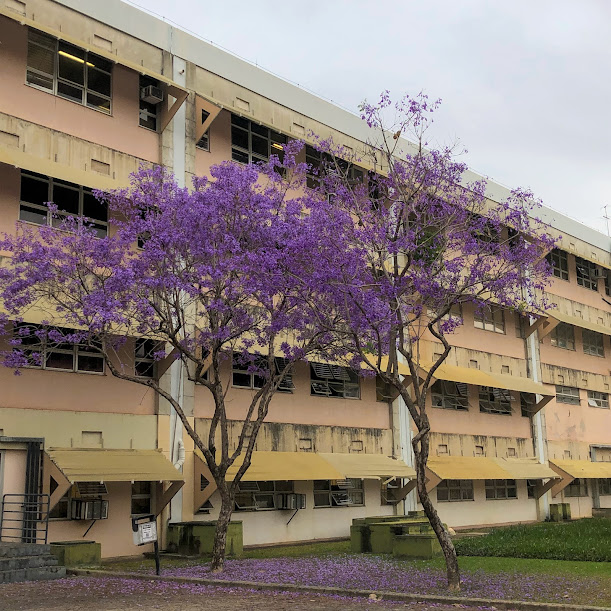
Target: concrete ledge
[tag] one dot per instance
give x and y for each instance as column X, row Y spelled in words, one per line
column 507, row 605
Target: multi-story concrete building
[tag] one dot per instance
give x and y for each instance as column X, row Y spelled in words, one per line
column 520, row 412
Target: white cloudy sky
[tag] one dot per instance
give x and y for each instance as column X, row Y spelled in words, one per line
column 525, row 84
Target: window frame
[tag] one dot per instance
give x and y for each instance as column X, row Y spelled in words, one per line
column 563, row 336
column 337, row 492
column 569, row 398
column 593, row 343
column 600, row 399
column 442, row 399
column 245, row 127
column 146, row 359
column 203, row 144
column 60, row 48
column 604, row 486
column 253, row 494
column 490, row 318
column 585, row 279
column 462, row 488
column 339, row 380
column 139, row 496
column 499, row 489
column 577, row 488
column 559, row 261
column 494, row 400
column 41, row 347
column 101, row 226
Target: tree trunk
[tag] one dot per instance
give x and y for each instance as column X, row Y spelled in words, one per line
column 220, row 534
column 421, row 456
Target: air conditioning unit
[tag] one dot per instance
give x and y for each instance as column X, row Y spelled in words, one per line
column 290, row 500
column 151, row 94
column 92, row 509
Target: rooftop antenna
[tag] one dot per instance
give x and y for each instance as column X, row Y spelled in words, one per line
column 606, row 217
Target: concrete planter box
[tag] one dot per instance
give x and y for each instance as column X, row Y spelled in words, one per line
column 197, row 538
column 77, row 553
column 423, row 545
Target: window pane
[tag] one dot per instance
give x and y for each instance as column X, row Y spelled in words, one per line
column 239, row 137
column 99, row 62
column 239, row 156
column 260, row 130
column 242, row 379
column 66, row 199
column 70, row 92
column 34, row 191
column 71, row 63
column 141, row 506
column 93, row 208
column 321, row 499
column 42, row 59
column 99, row 82
column 32, row 215
column 260, row 146
column 60, row 360
column 98, row 102
column 46, row 82
column 90, row 363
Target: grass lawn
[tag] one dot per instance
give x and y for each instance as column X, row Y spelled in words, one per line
column 332, row 564
column 583, row 540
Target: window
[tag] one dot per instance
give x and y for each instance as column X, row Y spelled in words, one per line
column 598, row 399
column 531, row 488
column 593, row 342
column 559, row 261
column 62, row 509
column 567, row 394
column 489, row 318
column 45, row 353
column 251, row 496
column 243, row 378
column 204, row 142
column 70, row 199
column 341, row 493
column 320, row 163
column 563, row 336
column 604, row 486
column 501, row 489
column 494, row 400
column 253, row 143
column 148, row 114
column 144, row 357
column 607, row 283
column 455, row 490
column 141, row 498
column 578, row 487
column 334, row 381
column 528, row 404
column 384, row 391
column 449, row 395
column 69, row 72
column 586, row 274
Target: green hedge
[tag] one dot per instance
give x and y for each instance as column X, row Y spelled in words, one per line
column 586, row 539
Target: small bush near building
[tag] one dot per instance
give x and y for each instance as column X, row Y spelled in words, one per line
column 585, row 540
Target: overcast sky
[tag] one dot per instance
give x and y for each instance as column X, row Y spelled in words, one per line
column 525, row 85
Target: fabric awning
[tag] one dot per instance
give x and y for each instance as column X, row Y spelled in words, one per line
column 466, row 467
column 577, row 321
column 526, row 468
column 286, row 466
column 368, row 466
column 452, row 373
column 47, row 167
column 102, row 465
column 583, row 468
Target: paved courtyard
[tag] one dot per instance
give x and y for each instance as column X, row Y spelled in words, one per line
column 115, row 594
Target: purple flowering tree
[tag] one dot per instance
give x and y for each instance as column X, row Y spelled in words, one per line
column 422, row 240
column 202, row 276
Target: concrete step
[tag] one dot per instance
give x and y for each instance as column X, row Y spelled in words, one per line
column 13, row 563
column 12, row 550
column 33, row 574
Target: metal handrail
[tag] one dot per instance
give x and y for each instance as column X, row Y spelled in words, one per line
column 31, row 511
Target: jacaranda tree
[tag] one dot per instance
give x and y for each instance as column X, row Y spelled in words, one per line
column 422, row 240
column 202, row 275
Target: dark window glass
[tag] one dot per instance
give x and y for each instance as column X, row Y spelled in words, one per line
column 66, row 199
column 34, row 191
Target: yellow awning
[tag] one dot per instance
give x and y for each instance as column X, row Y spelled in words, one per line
column 102, row 465
column 579, row 322
column 583, row 468
column 87, row 46
column 368, row 466
column 466, row 467
column 525, row 468
column 285, row 466
column 47, row 167
column 452, row 373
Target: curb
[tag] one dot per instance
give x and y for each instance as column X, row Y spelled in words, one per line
column 506, row 605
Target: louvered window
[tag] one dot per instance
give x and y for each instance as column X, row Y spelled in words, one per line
column 333, row 381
